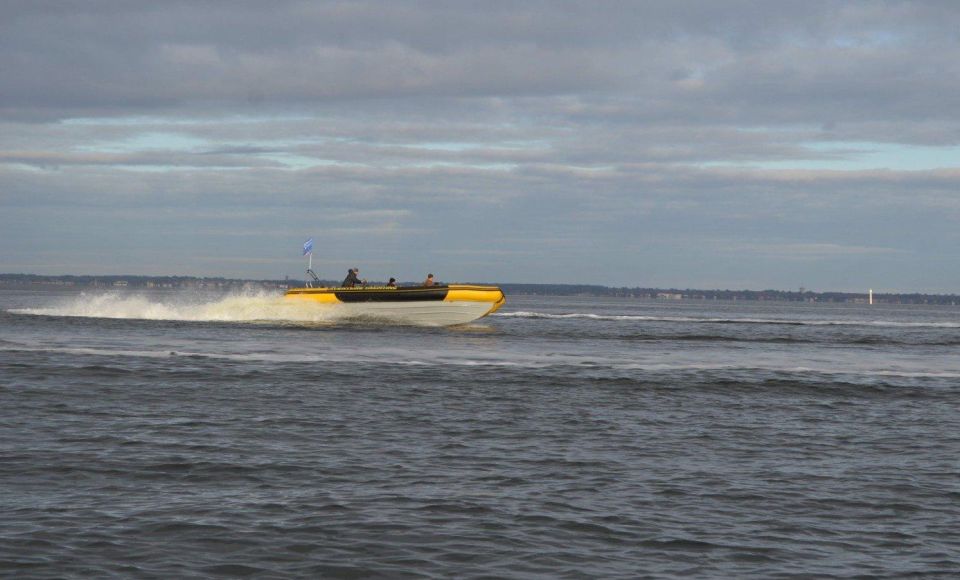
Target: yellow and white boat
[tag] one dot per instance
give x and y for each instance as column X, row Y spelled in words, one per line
column 443, row 305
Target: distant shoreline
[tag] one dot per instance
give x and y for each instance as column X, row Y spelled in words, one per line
column 666, row 294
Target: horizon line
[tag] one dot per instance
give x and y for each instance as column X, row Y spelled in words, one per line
column 654, row 288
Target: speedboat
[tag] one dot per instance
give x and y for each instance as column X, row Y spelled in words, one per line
column 441, row 305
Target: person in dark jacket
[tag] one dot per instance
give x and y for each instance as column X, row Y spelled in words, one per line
column 352, row 279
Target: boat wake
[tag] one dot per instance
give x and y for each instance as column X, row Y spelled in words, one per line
column 248, row 307
column 692, row 319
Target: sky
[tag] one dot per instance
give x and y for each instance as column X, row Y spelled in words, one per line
column 733, row 145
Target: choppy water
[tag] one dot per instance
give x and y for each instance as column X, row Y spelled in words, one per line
column 169, row 436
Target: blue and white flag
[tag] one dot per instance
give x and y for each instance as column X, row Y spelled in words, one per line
column 307, row 246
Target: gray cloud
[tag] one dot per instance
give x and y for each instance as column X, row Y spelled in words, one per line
column 744, row 143
column 741, row 62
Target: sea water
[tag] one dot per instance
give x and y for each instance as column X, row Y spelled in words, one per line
column 174, row 435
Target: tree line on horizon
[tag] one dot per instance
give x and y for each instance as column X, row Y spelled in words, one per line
column 509, row 288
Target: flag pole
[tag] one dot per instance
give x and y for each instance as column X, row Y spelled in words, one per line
column 308, row 251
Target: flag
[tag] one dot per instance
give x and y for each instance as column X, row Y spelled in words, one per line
column 307, row 246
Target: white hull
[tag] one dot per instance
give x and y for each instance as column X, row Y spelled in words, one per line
column 432, row 313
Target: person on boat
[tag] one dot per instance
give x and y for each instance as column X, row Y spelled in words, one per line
column 392, row 283
column 429, row 280
column 352, row 279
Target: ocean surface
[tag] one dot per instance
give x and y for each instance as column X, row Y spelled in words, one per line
column 177, row 435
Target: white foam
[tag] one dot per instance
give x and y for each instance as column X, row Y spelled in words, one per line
column 526, row 314
column 260, row 306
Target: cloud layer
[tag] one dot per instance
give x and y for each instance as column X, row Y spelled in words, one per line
column 741, row 144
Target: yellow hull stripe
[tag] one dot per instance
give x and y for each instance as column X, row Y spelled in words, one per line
column 320, row 297
column 455, row 293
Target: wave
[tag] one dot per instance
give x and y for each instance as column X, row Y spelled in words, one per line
column 249, row 307
column 829, row 340
column 519, row 363
column 695, row 320
column 267, row 357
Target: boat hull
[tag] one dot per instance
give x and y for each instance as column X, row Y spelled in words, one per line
column 433, row 306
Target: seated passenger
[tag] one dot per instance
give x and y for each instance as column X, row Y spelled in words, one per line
column 429, row 280
column 392, row 283
column 352, row 280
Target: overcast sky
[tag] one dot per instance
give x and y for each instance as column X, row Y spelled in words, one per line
column 736, row 144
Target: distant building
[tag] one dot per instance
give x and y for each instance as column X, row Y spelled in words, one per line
column 669, row 296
